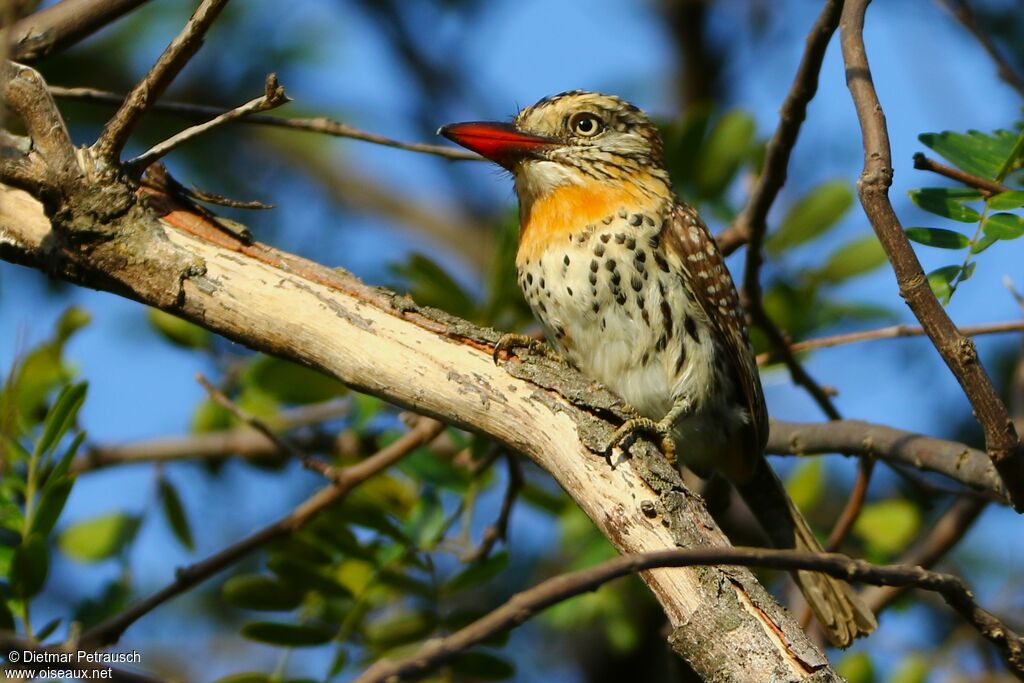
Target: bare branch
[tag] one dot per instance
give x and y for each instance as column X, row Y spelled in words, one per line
column 244, row 442
column 62, row 25
column 891, row 332
column 855, row 503
column 273, row 97
column 524, row 605
column 117, row 131
column 962, row 11
column 988, row 187
column 109, row 631
column 1001, row 439
column 752, row 220
column 320, row 124
column 957, row 461
column 499, row 530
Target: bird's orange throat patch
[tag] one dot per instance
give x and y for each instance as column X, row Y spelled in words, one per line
column 554, row 217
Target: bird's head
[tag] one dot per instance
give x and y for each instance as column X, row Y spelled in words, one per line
column 577, row 139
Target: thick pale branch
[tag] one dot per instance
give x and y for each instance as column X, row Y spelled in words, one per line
column 440, row 366
column 1001, row 439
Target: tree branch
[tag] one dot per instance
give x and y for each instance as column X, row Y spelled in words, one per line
column 62, row 25
column 891, row 332
column 117, row 131
column 524, row 605
column 962, row 11
column 988, row 187
column 961, row 463
column 273, row 96
column 109, row 631
column 320, row 124
column 958, row 351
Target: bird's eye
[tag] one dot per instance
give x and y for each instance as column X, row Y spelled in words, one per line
column 585, row 124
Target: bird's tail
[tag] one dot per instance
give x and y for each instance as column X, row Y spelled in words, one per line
column 839, row 610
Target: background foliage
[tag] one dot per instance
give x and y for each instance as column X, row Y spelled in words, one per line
column 387, row 568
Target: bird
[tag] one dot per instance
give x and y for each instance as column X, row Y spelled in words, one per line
column 630, row 288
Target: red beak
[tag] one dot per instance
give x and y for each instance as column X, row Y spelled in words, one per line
column 499, row 142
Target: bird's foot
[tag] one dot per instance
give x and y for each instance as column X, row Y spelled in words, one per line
column 662, row 429
column 508, row 343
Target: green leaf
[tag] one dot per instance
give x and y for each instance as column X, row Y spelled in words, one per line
column 941, row 279
column 947, row 202
column 291, row 383
column 912, row 669
column 246, row 677
column 684, row 140
column 71, row 320
column 1014, row 199
column 400, row 629
column 983, row 243
column 287, row 635
column 425, row 467
column 938, row 237
column 477, row 573
column 64, row 464
column 100, row 607
column 47, row 629
column 6, row 618
column 98, row 538
column 978, row 153
column 427, row 520
column 174, row 511
column 308, row 577
column 806, row 484
column 60, row 417
column 179, row 332
column 211, row 416
column 51, row 504
column 483, row 665
column 856, row 667
column 723, row 151
column 1014, row 160
column 259, row 592
column 887, row 526
column 1004, row 226
column 854, row 258
column 550, row 502
column 812, row 215
column 29, row 567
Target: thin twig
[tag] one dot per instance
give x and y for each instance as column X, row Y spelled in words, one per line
column 62, row 25
column 273, row 97
column 117, row 131
column 499, row 530
column 109, row 631
column 955, row 460
column 322, row 125
column 962, row 11
column 244, row 442
column 283, row 444
column 855, row 503
column 752, row 220
column 524, row 605
column 923, row 162
column 891, row 332
column 959, row 353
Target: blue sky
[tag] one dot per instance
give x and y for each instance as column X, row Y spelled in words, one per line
column 930, row 76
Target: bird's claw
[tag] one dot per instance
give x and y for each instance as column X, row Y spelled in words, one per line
column 509, row 342
column 645, row 425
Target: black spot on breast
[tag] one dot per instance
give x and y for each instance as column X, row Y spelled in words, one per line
column 611, row 264
column 641, row 256
column 662, row 343
column 636, row 219
column 681, row 360
column 568, row 290
column 660, row 260
column 529, row 278
column 620, row 298
column 654, row 240
column 596, row 307
column 605, row 236
column 542, row 285
column 616, row 278
column 646, row 358
column 599, row 250
column 620, row 237
column 594, row 265
column 606, row 221
column 630, row 243
column 566, row 260
column 644, row 314
column 593, row 280
column 691, row 328
column 666, row 318
column 636, row 283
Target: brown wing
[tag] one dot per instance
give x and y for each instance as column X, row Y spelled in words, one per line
column 688, row 237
